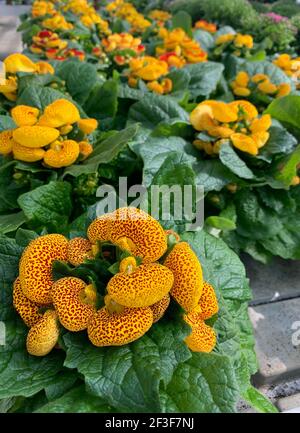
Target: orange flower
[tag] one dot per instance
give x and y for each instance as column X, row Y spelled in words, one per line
column 204, row 25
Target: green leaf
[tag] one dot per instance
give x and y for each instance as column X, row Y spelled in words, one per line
column 9, row 189
column 154, row 152
column 220, row 223
column 280, row 142
column 10, row 254
column 34, row 373
column 205, row 383
column 103, row 100
column 213, row 175
column 204, row 78
column 182, row 20
column 222, row 267
column 259, row 401
column 104, row 152
column 253, row 220
column 286, row 109
column 40, row 97
column 231, row 160
column 10, row 223
column 153, row 109
column 76, row 401
column 64, row 381
column 176, row 170
column 128, row 377
column 48, row 205
column 205, row 39
column 6, row 122
column 180, row 79
column 124, row 91
column 80, row 78
column 23, row 237
column 276, row 75
column 289, row 169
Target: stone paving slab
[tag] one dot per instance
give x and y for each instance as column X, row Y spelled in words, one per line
column 278, row 280
column 289, row 404
column 10, row 39
column 277, row 343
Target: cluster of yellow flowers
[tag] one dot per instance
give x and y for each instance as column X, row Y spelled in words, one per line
column 178, row 48
column 204, row 25
column 47, row 40
column 41, row 8
column 238, row 40
column 243, row 85
column 57, row 22
column 290, row 66
column 137, row 296
column 152, row 71
column 122, row 41
column 160, row 17
column 20, row 63
column 124, row 10
column 44, row 136
column 236, row 122
column 88, row 14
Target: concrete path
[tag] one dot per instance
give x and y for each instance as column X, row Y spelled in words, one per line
column 10, row 39
column 275, row 315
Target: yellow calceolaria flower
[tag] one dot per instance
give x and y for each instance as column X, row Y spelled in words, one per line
column 41, row 8
column 243, row 41
column 135, row 298
column 122, row 41
column 57, row 22
column 159, row 16
column 128, row 12
column 224, row 39
column 238, row 43
column 20, row 63
column 236, row 122
column 244, row 85
column 152, row 71
column 179, row 44
column 290, row 66
column 204, row 25
column 87, row 14
column 46, row 39
column 44, row 136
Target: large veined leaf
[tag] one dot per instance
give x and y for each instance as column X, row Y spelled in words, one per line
column 202, row 385
column 104, row 152
column 286, row 110
column 231, row 160
column 103, row 100
column 276, row 75
column 20, row 373
column 205, row 39
column 40, row 97
column 48, row 205
column 153, row 109
column 155, row 150
column 173, row 176
column 204, row 77
column 213, row 175
column 6, row 122
column 129, row 377
column 76, row 401
column 80, row 78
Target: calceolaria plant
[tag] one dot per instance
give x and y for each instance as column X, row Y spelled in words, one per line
column 126, row 290
column 46, row 136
